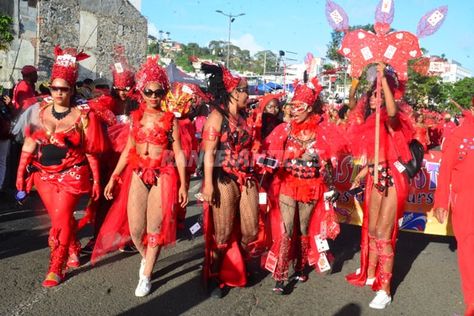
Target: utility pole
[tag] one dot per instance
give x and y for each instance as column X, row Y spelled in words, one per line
column 264, row 62
column 231, row 19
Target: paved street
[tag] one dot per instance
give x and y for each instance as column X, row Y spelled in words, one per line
column 426, row 280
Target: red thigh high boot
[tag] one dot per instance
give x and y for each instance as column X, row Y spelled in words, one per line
column 384, row 258
column 282, row 266
column 57, row 260
column 302, row 258
column 74, row 250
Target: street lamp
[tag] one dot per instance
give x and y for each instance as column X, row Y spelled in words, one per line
column 231, row 19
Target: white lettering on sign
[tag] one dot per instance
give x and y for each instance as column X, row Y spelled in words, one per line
column 366, row 53
column 336, row 16
column 435, row 17
column 390, row 51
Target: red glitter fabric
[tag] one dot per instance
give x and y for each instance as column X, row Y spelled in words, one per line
column 230, row 81
column 150, row 71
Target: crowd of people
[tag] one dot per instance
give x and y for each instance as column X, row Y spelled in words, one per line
column 268, row 170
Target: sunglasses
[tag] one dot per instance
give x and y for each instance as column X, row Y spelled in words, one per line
column 122, row 88
column 57, row 89
column 154, row 93
column 243, row 89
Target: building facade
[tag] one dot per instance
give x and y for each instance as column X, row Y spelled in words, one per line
column 94, row 26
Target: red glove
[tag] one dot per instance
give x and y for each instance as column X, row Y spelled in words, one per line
column 25, row 160
column 94, row 165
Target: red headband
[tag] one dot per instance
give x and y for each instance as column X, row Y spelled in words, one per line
column 307, row 93
column 230, row 81
column 65, row 65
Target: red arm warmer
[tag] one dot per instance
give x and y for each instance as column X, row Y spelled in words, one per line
column 25, row 160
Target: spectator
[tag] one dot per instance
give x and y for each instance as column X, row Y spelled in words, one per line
column 25, row 90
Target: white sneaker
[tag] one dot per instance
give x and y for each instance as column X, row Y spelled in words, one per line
column 370, row 281
column 142, row 268
column 381, row 300
column 143, row 287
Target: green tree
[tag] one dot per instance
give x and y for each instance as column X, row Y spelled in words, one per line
column 265, row 58
column 463, row 92
column 6, row 31
column 427, row 91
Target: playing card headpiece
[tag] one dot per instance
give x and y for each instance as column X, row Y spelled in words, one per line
column 122, row 73
column 65, row 64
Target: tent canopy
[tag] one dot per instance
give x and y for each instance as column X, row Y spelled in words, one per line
column 269, row 86
column 176, row 75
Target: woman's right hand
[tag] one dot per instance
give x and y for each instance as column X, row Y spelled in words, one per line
column 208, row 193
column 109, row 189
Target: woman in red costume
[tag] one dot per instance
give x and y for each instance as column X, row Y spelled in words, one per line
column 120, row 104
column 149, row 189
column 298, row 188
column 385, row 200
column 229, row 186
column 58, row 155
column 454, row 192
column 421, row 131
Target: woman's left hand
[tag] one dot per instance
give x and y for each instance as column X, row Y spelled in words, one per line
column 95, row 191
column 183, row 196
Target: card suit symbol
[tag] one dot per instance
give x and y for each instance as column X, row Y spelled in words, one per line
column 413, row 53
column 346, row 50
column 361, row 35
column 399, row 35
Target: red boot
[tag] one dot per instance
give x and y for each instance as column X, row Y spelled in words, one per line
column 56, row 266
column 74, row 252
column 302, row 259
column 281, row 271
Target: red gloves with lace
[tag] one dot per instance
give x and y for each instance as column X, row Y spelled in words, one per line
column 94, row 165
column 25, row 160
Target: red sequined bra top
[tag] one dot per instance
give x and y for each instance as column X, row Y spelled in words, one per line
column 160, row 134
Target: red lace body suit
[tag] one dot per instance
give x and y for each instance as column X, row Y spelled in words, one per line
column 115, row 230
column 395, row 134
column 302, row 180
column 233, row 163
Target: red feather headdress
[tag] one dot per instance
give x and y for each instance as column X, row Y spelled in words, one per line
column 150, row 71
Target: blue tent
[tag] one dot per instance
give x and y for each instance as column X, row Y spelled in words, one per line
column 176, row 75
column 269, row 86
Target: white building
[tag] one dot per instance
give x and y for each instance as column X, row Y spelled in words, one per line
column 454, row 71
